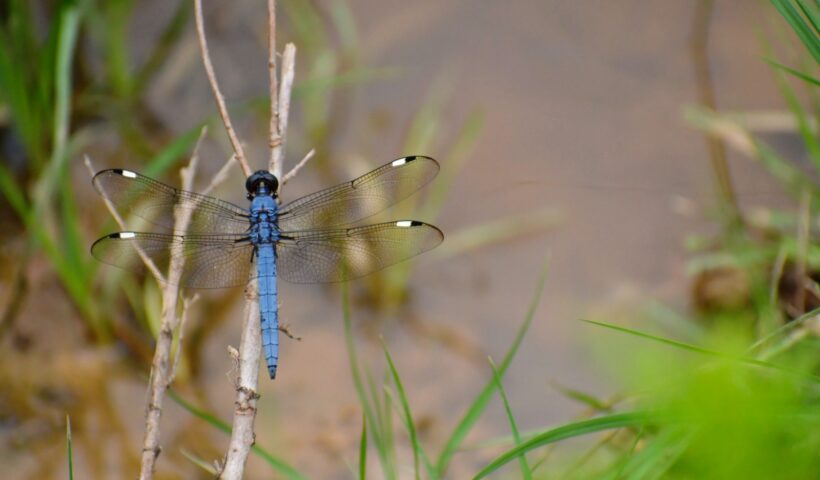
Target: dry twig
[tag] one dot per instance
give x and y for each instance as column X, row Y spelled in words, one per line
column 161, row 375
column 250, row 347
column 293, row 171
column 274, row 139
column 242, row 432
column 161, row 372
column 220, row 100
column 283, row 110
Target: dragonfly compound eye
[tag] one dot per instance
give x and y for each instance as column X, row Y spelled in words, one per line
column 262, row 177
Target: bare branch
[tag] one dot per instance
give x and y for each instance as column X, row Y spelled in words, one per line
column 186, row 307
column 293, row 171
column 220, row 99
column 283, row 111
column 250, row 349
column 161, row 372
column 274, row 140
column 220, row 176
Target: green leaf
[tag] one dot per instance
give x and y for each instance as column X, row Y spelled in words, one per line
column 575, row 429
column 363, row 450
column 371, row 409
column 582, row 397
column 199, row 462
column 807, row 33
column 526, row 473
column 68, row 447
column 418, row 451
column 797, row 73
column 171, row 154
column 473, row 413
column 807, row 132
column 701, row 350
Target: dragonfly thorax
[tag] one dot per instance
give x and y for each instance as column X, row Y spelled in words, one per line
column 261, row 183
column 263, row 214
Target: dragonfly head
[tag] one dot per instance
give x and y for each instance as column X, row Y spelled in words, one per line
column 261, row 182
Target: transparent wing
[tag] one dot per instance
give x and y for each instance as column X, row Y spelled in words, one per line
column 321, row 256
column 155, row 202
column 360, row 198
column 209, row 261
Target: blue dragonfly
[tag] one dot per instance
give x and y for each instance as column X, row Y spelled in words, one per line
column 308, row 240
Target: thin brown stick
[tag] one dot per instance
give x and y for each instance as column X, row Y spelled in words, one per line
column 220, row 99
column 274, row 139
column 250, row 349
column 220, row 176
column 283, row 110
column 183, row 317
column 161, row 372
column 295, row 170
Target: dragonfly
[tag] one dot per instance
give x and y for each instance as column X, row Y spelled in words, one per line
column 313, row 239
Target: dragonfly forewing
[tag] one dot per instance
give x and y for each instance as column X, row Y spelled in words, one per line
column 360, row 198
column 157, row 203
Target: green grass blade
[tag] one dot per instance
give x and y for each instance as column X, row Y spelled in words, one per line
column 373, row 417
column 405, row 405
column 199, row 462
column 575, row 429
column 388, row 434
column 807, row 34
column 702, row 350
column 654, row 460
column 14, row 194
column 66, row 43
column 494, row 232
column 171, row 154
column 783, row 329
column 792, row 179
column 363, row 450
column 622, row 464
column 74, row 246
column 68, row 447
column 809, row 135
column 277, row 464
column 526, row 473
column 320, row 85
column 345, row 24
column 581, row 397
column 418, row 451
column 811, row 12
column 797, row 73
column 170, row 36
column 460, row 152
column 473, row 413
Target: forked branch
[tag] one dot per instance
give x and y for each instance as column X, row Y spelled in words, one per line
column 250, row 347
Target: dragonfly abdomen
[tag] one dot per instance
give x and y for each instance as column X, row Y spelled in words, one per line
column 268, row 304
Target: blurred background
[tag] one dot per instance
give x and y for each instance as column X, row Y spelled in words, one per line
column 585, row 132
